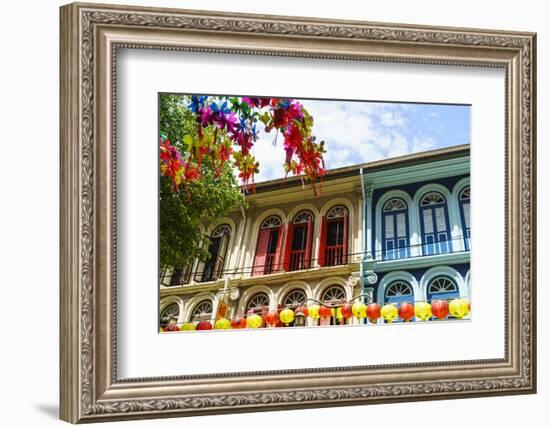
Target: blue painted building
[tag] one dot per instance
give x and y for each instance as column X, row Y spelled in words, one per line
column 417, row 229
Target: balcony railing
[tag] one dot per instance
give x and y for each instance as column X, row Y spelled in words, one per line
column 213, row 270
column 334, row 255
column 269, row 263
column 298, row 260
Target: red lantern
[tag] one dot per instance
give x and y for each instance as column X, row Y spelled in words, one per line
column 303, row 309
column 238, row 322
column 347, row 310
column 373, row 312
column 440, row 309
column 325, row 311
column 172, row 327
column 204, row 325
column 271, row 318
column 406, row 311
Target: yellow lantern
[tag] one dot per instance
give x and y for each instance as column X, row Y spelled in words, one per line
column 459, row 308
column 339, row 314
column 313, row 311
column 359, row 310
column 188, row 327
column 389, row 312
column 161, row 330
column 253, row 321
column 286, row 316
column 223, row 323
column 422, row 310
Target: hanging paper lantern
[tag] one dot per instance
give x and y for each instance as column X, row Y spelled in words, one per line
column 271, row 318
column 204, row 325
column 459, row 308
column 373, row 312
column 339, row 315
column 346, row 310
column 423, row 310
column 303, row 309
column 222, row 323
column 172, row 327
column 359, row 310
column 325, row 311
column 161, row 330
column 440, row 308
column 286, row 316
column 314, row 311
column 406, row 311
column 238, row 322
column 389, row 312
column 188, row 327
column 253, row 321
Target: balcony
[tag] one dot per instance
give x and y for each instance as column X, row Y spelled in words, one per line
column 334, row 255
column 298, row 260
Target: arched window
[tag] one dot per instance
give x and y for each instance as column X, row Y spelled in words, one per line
column 398, row 292
column 202, row 311
column 395, row 226
column 434, row 221
column 334, row 294
column 333, row 247
column 294, row 298
column 298, row 242
column 169, row 315
column 464, row 202
column 442, row 288
column 268, row 247
column 219, row 242
column 180, row 276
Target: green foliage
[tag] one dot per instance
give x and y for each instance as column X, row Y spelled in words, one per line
column 186, row 215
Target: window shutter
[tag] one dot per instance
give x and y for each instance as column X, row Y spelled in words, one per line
column 345, row 237
column 261, row 252
column 322, row 242
column 278, row 254
column 288, row 247
column 309, row 239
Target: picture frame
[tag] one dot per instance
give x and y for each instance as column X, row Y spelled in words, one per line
column 89, row 386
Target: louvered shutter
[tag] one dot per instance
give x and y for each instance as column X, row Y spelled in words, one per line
column 279, row 252
column 261, row 252
column 309, row 238
column 345, row 237
column 288, row 247
column 322, row 242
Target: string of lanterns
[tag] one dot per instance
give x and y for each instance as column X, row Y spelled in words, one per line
column 390, row 312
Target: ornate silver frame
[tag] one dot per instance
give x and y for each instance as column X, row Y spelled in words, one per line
column 90, row 36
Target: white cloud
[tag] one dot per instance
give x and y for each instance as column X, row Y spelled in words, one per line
column 354, row 132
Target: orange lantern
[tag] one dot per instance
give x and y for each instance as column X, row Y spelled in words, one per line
column 238, row 322
column 373, row 312
column 172, row 327
column 271, row 318
column 325, row 311
column 406, row 311
column 204, row 325
column 347, row 310
column 440, row 308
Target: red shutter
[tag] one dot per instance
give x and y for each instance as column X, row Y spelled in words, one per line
column 309, row 239
column 322, row 242
column 288, row 247
column 345, row 241
column 261, row 252
column 279, row 253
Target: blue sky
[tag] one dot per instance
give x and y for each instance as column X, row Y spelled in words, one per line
column 359, row 132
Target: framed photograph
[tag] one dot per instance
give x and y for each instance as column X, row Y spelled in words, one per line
column 267, row 212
